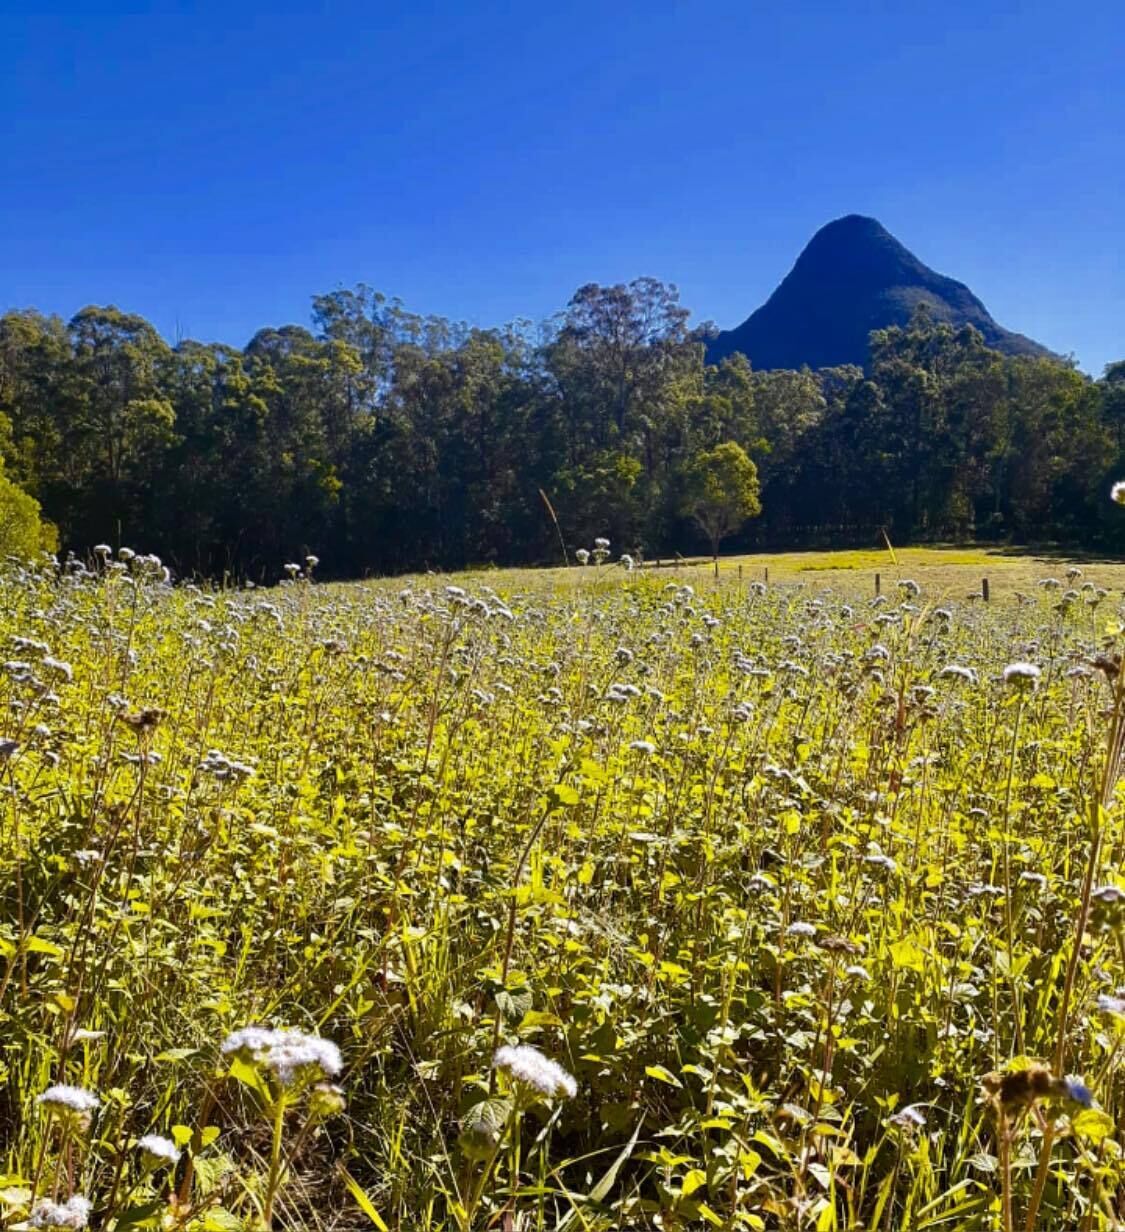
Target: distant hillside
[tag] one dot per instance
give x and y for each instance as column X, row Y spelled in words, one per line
column 853, row 277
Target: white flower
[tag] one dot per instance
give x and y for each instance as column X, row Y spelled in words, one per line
column 627, row 563
column 582, row 556
column 102, row 549
column 303, row 1055
column 602, row 544
column 63, row 1098
column 288, row 1055
column 73, row 1213
column 881, row 861
column 161, row 1150
column 1021, row 675
column 910, row 1117
column 528, row 1066
column 959, row 673
column 59, row 668
column 1111, row 1005
column 801, row 929
column 643, row 746
column 1117, row 492
column 312, row 561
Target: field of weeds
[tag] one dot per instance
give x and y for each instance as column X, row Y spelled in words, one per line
column 591, row 899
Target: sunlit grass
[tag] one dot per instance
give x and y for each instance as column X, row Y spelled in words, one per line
column 746, row 861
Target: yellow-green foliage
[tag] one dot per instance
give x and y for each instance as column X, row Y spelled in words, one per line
column 746, row 862
column 22, row 531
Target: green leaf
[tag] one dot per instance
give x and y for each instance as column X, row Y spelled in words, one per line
column 694, row 1179
column 143, row 1215
column 36, row 945
column 663, row 1075
column 220, row 1220
column 482, row 1127
column 362, row 1200
column 176, row 1054
column 539, row 1018
column 906, row 955
column 514, row 1004
column 562, row 795
column 602, row 1188
column 246, row 1074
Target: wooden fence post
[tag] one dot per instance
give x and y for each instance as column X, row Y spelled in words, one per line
column 984, row 589
column 878, row 585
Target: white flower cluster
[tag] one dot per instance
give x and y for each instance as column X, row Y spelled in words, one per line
column 1111, row 1005
column 59, row 667
column 1021, row 674
column 73, row 1213
column 63, row 1098
column 161, row 1149
column 223, row 767
column 910, row 1117
column 288, row 1055
column 529, row 1067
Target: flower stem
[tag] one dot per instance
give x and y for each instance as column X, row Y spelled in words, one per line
column 275, row 1161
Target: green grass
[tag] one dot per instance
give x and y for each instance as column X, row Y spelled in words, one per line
column 741, row 859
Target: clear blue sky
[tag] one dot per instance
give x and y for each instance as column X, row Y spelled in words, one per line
column 212, row 166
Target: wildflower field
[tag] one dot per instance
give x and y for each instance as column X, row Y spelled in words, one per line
column 588, row 899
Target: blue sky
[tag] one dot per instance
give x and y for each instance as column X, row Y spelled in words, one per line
column 212, row 166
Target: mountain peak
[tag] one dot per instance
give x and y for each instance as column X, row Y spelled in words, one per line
column 853, row 277
column 851, row 225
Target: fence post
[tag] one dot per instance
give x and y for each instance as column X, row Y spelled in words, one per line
column 767, row 575
column 716, row 568
column 984, row 589
column 878, row 585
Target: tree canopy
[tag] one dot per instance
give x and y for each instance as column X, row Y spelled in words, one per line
column 382, row 440
column 722, row 491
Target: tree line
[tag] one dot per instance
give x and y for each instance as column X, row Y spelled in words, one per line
column 383, row 441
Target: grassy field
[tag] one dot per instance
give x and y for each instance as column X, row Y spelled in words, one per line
column 583, row 899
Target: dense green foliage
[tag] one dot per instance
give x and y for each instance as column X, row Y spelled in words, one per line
column 23, row 532
column 722, row 491
column 382, row 441
column 778, row 875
